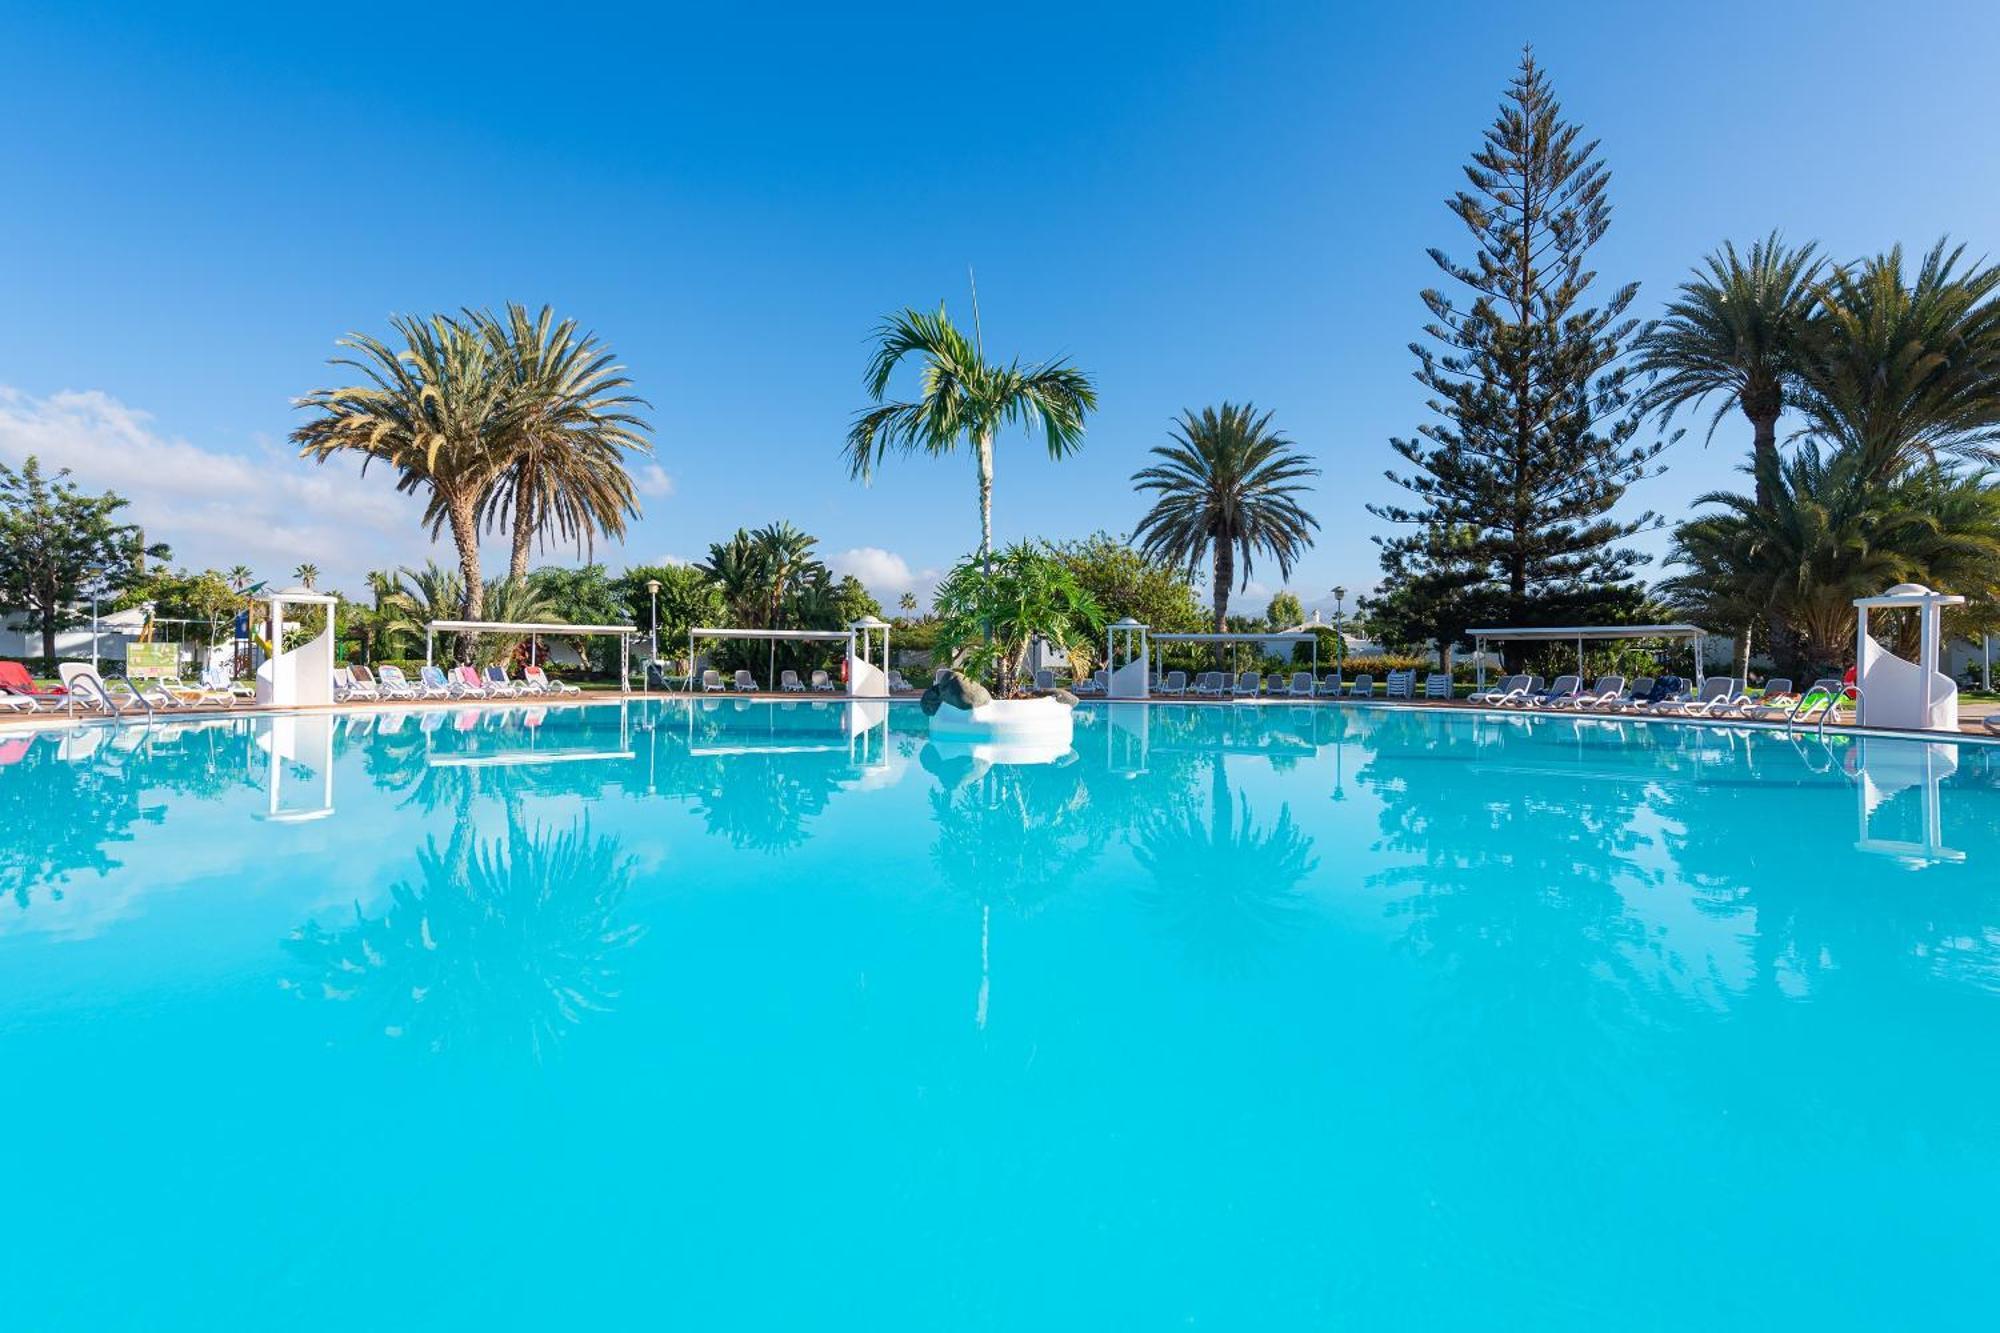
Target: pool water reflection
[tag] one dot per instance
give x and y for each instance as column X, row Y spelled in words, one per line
column 749, row 1015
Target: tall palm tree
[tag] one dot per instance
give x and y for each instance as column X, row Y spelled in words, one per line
column 1735, row 334
column 736, row 568
column 567, row 427
column 965, row 400
column 240, row 577
column 431, row 411
column 307, row 574
column 1902, row 370
column 786, row 557
column 1228, row 483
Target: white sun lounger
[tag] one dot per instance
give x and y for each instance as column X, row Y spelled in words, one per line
column 1717, row 693
column 1559, row 695
column 1606, row 691
column 789, row 682
column 711, row 681
column 745, row 683
column 393, row 684
column 1249, row 684
column 1361, row 687
column 823, row 683
column 1302, row 685
column 1437, row 685
column 1175, row 683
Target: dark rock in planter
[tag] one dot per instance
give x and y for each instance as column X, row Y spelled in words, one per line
column 960, row 691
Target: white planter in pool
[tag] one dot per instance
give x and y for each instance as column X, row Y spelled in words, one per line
column 1040, row 722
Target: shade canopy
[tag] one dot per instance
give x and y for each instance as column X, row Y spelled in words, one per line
column 1589, row 632
column 523, row 627
column 800, row 635
column 1287, row 636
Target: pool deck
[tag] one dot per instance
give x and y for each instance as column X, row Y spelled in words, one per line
column 1971, row 713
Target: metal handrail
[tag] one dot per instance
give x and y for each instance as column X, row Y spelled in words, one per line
column 1833, row 706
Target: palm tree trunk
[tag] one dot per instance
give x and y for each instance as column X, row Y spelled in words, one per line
column 986, row 498
column 1764, row 468
column 1225, row 574
column 524, row 531
column 463, row 513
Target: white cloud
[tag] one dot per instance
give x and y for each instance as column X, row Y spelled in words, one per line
column 265, row 508
column 885, row 574
column 653, row 480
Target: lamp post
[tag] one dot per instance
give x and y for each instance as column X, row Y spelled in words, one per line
column 1339, row 638
column 96, row 577
column 653, row 591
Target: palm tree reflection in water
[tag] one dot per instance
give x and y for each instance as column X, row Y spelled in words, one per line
column 1227, row 886
column 500, row 941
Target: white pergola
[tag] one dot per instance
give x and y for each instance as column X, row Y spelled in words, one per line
column 862, row 628
column 532, row 629
column 1290, row 638
column 1580, row 634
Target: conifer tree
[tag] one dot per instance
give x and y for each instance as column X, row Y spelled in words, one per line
column 1513, row 485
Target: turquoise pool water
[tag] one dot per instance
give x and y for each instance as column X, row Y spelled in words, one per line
column 741, row 1016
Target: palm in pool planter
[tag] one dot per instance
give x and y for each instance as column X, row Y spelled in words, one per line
column 990, row 610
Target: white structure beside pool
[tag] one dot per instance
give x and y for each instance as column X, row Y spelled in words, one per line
column 1907, row 696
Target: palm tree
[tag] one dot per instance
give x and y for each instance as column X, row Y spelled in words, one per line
column 307, row 574
column 1903, row 372
column 1735, row 334
column 433, row 412
column 907, row 604
column 1829, row 533
column 568, row 424
column 1228, row 482
column 240, row 577
column 736, row 569
column 965, row 399
column 785, row 555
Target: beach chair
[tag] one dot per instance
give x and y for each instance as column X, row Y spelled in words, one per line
column 1329, row 687
column 365, row 685
column 1437, row 685
column 499, row 685
column 1099, row 683
column 15, row 680
column 547, row 684
column 1249, row 684
column 199, row 694
column 1717, row 693
column 822, row 683
column 432, row 683
column 744, row 682
column 711, row 681
column 343, row 684
column 1401, row 685
column 1777, row 701
column 1301, row 686
column 1045, row 680
column 789, row 682
column 1528, row 687
column 1559, row 695
column 466, row 683
column 1362, row 686
column 1824, row 695
column 1501, row 689
column 1175, row 684
column 391, row 683
column 84, row 688
column 1631, row 696
column 1604, row 692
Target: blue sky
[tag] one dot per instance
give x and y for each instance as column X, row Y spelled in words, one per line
column 1191, row 202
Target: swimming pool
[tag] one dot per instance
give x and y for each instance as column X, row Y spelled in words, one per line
column 737, row 1015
